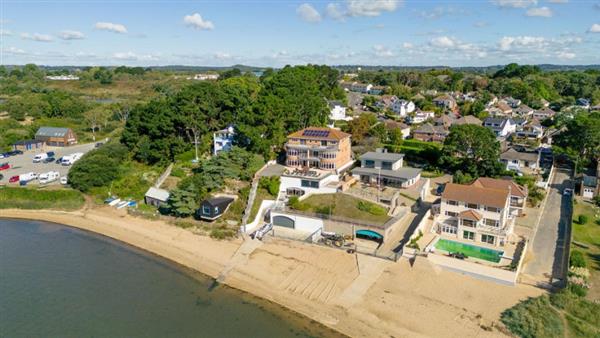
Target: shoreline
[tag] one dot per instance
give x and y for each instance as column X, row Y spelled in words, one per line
column 322, row 284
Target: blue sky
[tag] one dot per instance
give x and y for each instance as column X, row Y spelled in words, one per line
column 275, row 33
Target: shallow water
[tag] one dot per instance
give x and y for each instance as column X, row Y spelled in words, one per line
column 64, row 282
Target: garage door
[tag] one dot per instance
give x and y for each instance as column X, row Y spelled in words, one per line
column 283, row 221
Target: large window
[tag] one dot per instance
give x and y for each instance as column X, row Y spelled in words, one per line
column 386, row 165
column 448, row 229
column 469, row 223
column 491, row 222
column 369, row 164
column 451, row 202
column 472, row 206
column 309, row 184
column 489, row 239
column 451, row 213
column 492, row 209
column 469, row 235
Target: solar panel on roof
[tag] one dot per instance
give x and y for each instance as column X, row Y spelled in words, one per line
column 315, row 133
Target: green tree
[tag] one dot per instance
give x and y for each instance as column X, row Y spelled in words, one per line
column 473, row 150
column 182, row 203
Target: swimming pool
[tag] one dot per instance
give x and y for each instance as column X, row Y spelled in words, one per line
column 469, row 250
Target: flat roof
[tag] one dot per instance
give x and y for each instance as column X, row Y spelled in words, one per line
column 402, row 173
column 380, row 156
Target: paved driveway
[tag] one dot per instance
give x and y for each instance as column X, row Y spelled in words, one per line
column 547, row 252
column 22, row 164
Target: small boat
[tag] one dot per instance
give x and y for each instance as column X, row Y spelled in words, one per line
column 114, row 202
column 132, row 204
column 122, row 204
column 108, row 200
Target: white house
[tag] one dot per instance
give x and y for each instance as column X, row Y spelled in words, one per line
column 420, row 117
column 62, row 77
column 386, row 169
column 402, row 107
column 520, row 161
column 223, row 140
column 205, row 76
column 502, row 127
column 337, row 111
column 298, row 182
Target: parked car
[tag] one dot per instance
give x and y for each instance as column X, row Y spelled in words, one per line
column 4, row 155
column 64, row 180
column 28, row 177
column 13, row 179
column 48, row 177
column 70, row 159
column 1, row 177
column 15, row 152
column 49, row 160
column 98, row 145
column 59, row 161
column 50, row 154
column 4, row 166
column 568, row 192
column 40, row 157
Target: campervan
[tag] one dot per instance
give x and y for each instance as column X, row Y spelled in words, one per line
column 48, row 177
column 40, row 157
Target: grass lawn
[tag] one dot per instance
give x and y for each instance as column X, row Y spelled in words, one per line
column 588, row 234
column 261, row 195
column 346, row 206
column 31, row 198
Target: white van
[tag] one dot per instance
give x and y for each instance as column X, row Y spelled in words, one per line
column 70, row 159
column 28, row 177
column 40, row 157
column 48, row 177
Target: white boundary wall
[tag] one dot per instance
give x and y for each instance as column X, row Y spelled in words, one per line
column 302, row 223
column 264, row 205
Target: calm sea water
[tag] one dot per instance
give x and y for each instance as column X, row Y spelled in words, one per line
column 57, row 281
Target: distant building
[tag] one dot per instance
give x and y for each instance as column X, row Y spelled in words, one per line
column 62, row 77
column 531, row 130
column 213, row 208
column 376, row 90
column 337, row 111
column 520, row 160
column 589, row 186
column 543, row 114
column 468, row 119
column 205, row 77
column 27, row 145
column 430, row 133
column 386, row 169
column 501, row 127
column 404, row 129
column 420, row 117
column 360, row 87
column 511, row 102
column 156, row 197
column 445, row 102
column 320, row 148
column 583, row 103
column 518, row 193
column 523, row 110
column 58, row 137
column 403, row 107
column 223, row 140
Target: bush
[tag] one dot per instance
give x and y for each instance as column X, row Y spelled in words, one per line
column 533, row 317
column 371, row 208
column 222, row 233
column 582, row 219
column 578, row 290
column 295, row 203
column 577, row 259
column 98, row 168
column 178, row 172
column 270, row 184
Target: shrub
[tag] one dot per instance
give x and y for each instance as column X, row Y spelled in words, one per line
column 178, row 172
column 222, row 233
column 295, row 203
column 577, row 259
column 578, row 289
column 582, row 219
column 270, row 184
column 533, row 317
column 371, row 208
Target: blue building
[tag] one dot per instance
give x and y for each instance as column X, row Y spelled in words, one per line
column 223, row 140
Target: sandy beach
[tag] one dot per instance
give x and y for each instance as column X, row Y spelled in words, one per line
column 359, row 296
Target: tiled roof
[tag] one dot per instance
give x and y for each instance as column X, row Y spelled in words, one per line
column 468, row 119
column 470, row 214
column 494, row 183
column 333, row 134
column 512, row 154
column 476, row 195
column 428, row 128
column 52, row 132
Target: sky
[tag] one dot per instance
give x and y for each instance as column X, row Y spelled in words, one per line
column 275, row 33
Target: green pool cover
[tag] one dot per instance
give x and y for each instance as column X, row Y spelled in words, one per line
column 469, row 250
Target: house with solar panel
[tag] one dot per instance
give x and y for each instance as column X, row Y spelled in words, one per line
column 56, row 137
column 315, row 158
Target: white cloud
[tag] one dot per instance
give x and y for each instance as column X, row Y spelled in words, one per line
column 566, row 55
column 128, row 56
column 334, row 11
column 308, row 13
column 71, row 35
column 539, row 11
column 371, row 7
column 37, row 37
column 595, row 28
column 223, row 56
column 14, row 51
column 509, row 42
column 382, row 51
column 4, row 32
column 558, row 1
column 111, row 27
column 407, row 45
column 443, row 42
column 196, row 21
column 514, row 3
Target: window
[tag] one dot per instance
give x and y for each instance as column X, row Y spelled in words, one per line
column 324, row 143
column 492, row 209
column 450, row 202
column 206, row 210
column 468, row 223
column 302, row 141
column 489, row 239
column 451, row 213
column 472, row 206
column 491, row 222
column 369, row 164
column 469, row 235
column 448, row 229
column 386, row 165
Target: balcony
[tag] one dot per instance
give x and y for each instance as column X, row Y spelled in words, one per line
column 311, row 147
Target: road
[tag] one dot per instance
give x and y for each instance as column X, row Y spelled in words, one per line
column 547, row 252
column 22, row 164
